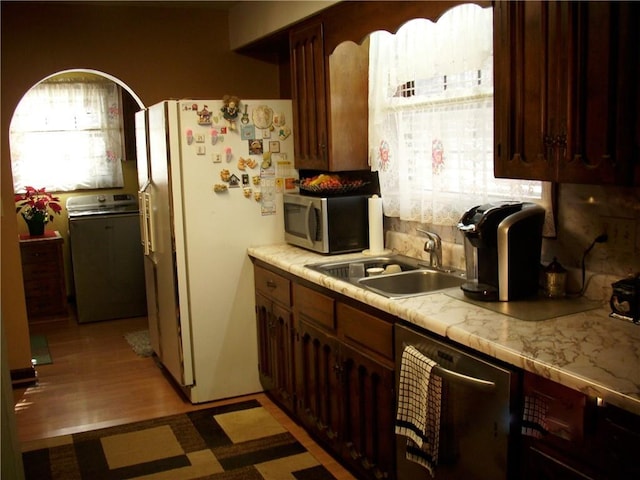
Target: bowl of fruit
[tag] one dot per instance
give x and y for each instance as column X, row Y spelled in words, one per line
column 330, row 183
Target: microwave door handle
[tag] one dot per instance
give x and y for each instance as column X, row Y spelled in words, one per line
column 310, row 235
column 474, row 382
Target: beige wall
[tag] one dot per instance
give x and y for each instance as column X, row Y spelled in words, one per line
column 158, row 51
column 250, row 21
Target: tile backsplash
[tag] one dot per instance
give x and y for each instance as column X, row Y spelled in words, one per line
column 584, row 212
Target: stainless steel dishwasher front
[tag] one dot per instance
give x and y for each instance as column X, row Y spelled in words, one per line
column 478, row 421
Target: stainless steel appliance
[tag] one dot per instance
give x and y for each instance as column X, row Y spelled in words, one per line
column 106, row 257
column 477, row 431
column 332, row 225
column 209, row 188
column 502, row 250
column 625, row 299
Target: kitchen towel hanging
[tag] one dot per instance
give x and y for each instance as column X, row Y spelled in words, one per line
column 419, row 408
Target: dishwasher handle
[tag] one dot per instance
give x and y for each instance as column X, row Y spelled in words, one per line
column 479, row 383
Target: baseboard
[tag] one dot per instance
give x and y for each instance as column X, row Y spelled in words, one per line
column 24, row 377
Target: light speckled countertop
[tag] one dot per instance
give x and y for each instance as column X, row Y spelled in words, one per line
column 588, row 351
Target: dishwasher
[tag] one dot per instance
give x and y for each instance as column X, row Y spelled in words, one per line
column 106, row 257
column 478, row 424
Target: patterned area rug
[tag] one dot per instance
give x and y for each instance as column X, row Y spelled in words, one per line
column 230, row 442
column 140, row 342
column 40, row 354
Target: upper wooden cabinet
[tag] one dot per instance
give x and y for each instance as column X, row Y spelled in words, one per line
column 329, row 58
column 330, row 102
column 566, row 91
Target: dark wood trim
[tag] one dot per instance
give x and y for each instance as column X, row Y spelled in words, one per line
column 24, row 377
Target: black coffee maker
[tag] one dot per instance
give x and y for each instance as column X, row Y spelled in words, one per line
column 502, row 250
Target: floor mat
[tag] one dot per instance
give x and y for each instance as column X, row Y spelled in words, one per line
column 140, row 342
column 238, row 441
column 40, row 354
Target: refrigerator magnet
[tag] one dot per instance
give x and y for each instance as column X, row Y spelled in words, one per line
column 201, row 150
column 246, row 191
column 214, row 136
column 248, row 132
column 234, row 181
column 274, row 146
column 255, row 147
column 204, row 116
column 245, row 179
column 284, row 132
column 189, row 134
column 228, row 154
column 245, row 116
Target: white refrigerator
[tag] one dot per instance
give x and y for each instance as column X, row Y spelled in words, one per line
column 211, row 181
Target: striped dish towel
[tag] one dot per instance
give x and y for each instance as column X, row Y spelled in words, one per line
column 419, row 408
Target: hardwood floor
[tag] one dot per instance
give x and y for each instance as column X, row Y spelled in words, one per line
column 96, row 381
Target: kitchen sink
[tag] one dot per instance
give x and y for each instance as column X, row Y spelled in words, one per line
column 412, row 283
column 410, row 276
column 340, row 269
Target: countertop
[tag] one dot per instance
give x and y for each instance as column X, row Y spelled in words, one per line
column 588, row 351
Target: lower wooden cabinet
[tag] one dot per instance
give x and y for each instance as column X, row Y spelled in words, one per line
column 43, row 275
column 582, row 439
column 275, row 336
column 330, row 365
column 345, row 382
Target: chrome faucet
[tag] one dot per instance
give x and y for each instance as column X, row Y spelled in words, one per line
column 433, row 246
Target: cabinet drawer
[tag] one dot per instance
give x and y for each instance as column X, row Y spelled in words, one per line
column 34, row 254
column 365, row 331
column 273, row 285
column 565, row 408
column 40, row 270
column 314, row 306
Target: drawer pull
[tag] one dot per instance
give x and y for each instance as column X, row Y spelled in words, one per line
column 271, row 284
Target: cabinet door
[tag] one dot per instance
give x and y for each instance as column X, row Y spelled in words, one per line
column 283, row 348
column 266, row 342
column 275, row 350
column 309, row 97
column 368, row 411
column 603, row 85
column 529, row 84
column 318, row 382
column 566, row 91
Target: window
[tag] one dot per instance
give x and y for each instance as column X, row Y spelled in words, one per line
column 68, row 135
column 431, row 118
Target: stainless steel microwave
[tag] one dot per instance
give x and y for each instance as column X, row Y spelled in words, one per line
column 327, row 224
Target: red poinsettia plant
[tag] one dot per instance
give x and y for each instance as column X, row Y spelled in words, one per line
column 36, row 203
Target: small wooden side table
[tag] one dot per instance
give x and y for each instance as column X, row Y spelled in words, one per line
column 43, row 274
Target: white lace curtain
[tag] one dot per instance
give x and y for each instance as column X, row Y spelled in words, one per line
column 431, row 118
column 67, row 136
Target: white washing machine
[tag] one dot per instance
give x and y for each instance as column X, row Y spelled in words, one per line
column 106, row 257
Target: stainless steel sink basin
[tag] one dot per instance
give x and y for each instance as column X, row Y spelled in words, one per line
column 411, row 283
column 340, row 269
column 414, row 278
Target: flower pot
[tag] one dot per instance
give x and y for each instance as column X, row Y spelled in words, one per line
column 36, row 223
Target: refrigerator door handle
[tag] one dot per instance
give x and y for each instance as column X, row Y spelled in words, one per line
column 150, row 224
column 143, row 224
